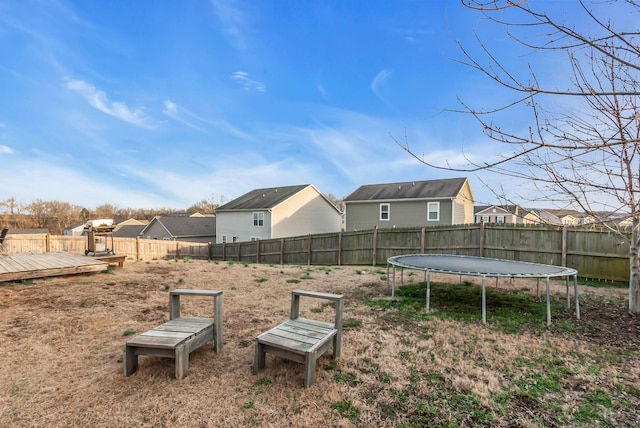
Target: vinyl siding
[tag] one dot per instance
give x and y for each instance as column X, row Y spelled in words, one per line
column 240, row 224
column 366, row 215
column 308, row 212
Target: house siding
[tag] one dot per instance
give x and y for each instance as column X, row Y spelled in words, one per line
column 307, row 212
column 366, row 215
column 155, row 231
column 240, row 224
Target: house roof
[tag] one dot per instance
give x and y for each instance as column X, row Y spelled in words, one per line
column 429, row 189
column 260, row 199
column 563, row 213
column 513, row 209
column 179, row 226
column 37, row 231
column 129, row 230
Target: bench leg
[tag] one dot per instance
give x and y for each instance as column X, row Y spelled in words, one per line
column 259, row 358
column 182, row 362
column 309, row 369
column 130, row 360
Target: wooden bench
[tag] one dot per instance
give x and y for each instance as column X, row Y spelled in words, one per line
column 178, row 337
column 300, row 339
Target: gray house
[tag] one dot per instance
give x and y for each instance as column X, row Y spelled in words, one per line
column 181, row 228
column 410, row 204
column 276, row 212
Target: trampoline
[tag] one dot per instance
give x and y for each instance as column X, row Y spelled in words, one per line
column 484, row 267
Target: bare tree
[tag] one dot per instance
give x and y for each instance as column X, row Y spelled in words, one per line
column 208, row 205
column 582, row 148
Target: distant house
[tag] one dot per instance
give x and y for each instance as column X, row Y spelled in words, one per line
column 409, row 204
column 78, row 229
column 181, row 228
column 514, row 214
column 277, row 212
column 567, row 217
column 33, row 231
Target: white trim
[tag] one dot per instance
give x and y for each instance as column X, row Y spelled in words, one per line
column 388, row 212
column 437, row 204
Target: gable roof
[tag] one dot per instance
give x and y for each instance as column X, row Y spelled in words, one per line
column 511, row 209
column 129, row 230
column 429, row 189
column 261, row 199
column 179, row 226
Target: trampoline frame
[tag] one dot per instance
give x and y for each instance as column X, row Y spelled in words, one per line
column 563, row 272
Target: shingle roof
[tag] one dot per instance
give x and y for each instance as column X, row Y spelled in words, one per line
column 188, row 226
column 129, row 230
column 260, row 199
column 444, row 188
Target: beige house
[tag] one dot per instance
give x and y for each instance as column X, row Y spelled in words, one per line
column 276, row 212
column 512, row 214
column 410, row 204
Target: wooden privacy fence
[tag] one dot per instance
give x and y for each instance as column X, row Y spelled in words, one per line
column 596, row 254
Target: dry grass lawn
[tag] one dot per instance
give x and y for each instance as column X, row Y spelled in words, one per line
column 62, row 341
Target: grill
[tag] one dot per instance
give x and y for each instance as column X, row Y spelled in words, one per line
column 99, row 240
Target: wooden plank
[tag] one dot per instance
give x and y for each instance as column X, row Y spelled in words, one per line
column 28, row 266
column 155, row 342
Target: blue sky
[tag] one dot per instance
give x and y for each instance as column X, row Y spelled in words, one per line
column 158, row 103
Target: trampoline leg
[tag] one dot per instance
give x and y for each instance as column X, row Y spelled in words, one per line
column 538, row 287
column 428, row 290
column 548, row 303
column 393, row 284
column 566, row 280
column 484, row 301
column 576, row 293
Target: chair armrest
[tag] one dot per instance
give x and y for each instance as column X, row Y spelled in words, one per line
column 174, row 300
column 337, row 298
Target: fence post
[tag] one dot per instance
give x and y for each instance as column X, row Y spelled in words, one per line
column 281, row 251
column 138, row 248
column 309, row 250
column 177, row 249
column 257, row 251
column 375, row 244
column 47, row 243
column 565, row 233
column 481, row 240
column 224, row 251
column 339, row 248
column 422, row 239
column 210, row 250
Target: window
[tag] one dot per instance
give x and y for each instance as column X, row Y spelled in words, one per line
column 485, row 219
column 234, row 238
column 384, row 212
column 500, row 219
column 433, row 211
column 253, row 238
column 224, row 239
column 258, row 219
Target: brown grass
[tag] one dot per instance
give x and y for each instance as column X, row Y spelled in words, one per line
column 62, row 342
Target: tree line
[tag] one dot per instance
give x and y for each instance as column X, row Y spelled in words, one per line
column 56, row 215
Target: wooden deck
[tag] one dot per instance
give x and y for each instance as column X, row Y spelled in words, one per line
column 16, row 267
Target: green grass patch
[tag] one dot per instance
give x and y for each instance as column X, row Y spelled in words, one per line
column 346, row 409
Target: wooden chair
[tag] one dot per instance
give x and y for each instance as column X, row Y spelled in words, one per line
column 300, row 339
column 178, row 337
column 3, row 235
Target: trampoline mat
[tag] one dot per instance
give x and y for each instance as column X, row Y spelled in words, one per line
column 478, row 266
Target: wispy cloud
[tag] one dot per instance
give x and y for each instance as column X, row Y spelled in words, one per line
column 242, row 78
column 98, row 99
column 194, row 121
column 5, row 150
column 172, row 110
column 379, row 81
column 232, row 19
